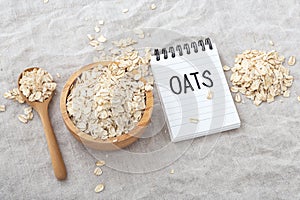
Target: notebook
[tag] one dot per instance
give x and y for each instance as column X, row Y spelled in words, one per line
column 193, row 90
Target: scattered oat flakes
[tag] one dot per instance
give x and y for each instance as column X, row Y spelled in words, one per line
column 100, row 163
column 209, row 94
column 298, row 98
column 238, row 98
column 125, row 10
column 98, row 171
column 46, row 1
column 271, row 43
column 292, row 60
column 101, row 39
column 226, row 68
column 153, row 6
column 58, row 75
column 99, row 188
column 194, row 120
column 172, row 171
column 2, row 108
column 14, row 94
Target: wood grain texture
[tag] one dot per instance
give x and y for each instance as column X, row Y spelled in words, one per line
column 58, row 164
column 123, row 140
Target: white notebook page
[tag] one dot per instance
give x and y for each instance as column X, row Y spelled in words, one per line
column 214, row 115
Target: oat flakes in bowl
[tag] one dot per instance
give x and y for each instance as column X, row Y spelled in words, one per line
column 106, row 105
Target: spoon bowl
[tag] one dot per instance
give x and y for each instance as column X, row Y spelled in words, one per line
column 42, row 109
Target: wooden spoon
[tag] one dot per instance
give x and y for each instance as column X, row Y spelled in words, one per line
column 55, row 154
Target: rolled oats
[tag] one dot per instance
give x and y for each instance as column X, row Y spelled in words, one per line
column 99, row 188
column 125, row 10
column 37, row 85
column 194, row 120
column 260, row 76
column 90, row 37
column 101, row 39
column 22, row 118
column 153, row 6
column 97, row 29
column 209, row 94
column 226, row 68
column 238, row 98
column 101, row 22
column 113, row 105
column 292, row 60
column 98, row 171
column 2, row 108
column 14, row 94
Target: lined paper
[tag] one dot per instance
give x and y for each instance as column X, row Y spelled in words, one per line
column 215, row 115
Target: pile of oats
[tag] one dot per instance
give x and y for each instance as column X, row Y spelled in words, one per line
column 14, row 94
column 260, row 76
column 37, row 85
column 108, row 101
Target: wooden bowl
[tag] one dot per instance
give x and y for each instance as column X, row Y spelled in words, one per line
column 111, row 143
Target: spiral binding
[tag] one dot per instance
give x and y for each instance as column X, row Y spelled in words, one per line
column 194, row 45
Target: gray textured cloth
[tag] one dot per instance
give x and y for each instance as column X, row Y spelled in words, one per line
column 258, row 161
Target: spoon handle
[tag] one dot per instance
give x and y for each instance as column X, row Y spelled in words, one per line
column 55, row 154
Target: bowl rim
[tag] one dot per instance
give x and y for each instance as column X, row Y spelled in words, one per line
column 73, row 129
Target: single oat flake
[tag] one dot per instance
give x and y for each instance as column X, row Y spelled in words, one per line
column 172, row 171
column 98, row 171
column 101, row 39
column 2, row 108
column 100, row 163
column 153, row 6
column 226, row 68
column 238, row 98
column 99, row 188
column 209, row 94
column 292, row 60
column 194, row 120
column 125, row 10
column 97, row 29
column 101, row 22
